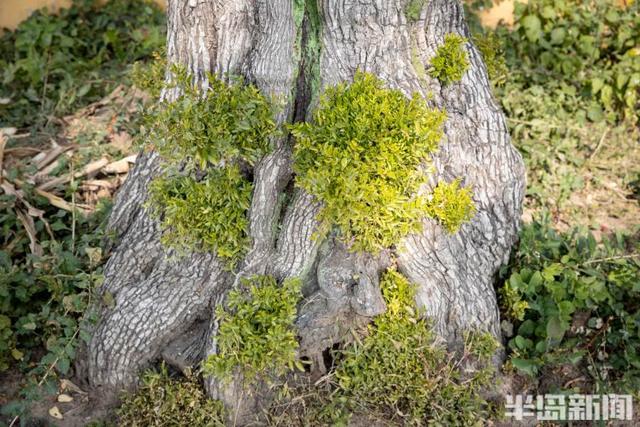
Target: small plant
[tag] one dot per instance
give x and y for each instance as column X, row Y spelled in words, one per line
column 207, row 215
column 228, row 123
column 165, row 401
column 257, row 336
column 362, row 157
column 490, row 46
column 452, row 205
column 400, row 369
column 149, row 76
column 204, row 140
column 451, row 60
column 572, row 300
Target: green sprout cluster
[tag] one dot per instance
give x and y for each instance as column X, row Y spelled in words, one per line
column 257, row 334
column 452, row 205
column 362, row 157
column 204, row 140
column 209, row 213
column 451, row 60
column 400, row 369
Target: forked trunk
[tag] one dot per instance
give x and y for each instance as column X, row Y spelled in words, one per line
column 292, row 50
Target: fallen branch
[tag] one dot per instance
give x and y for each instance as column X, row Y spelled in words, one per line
column 89, row 169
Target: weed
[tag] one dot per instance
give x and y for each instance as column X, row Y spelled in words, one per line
column 257, row 336
column 557, row 279
column 165, row 401
column 361, row 157
column 451, row 60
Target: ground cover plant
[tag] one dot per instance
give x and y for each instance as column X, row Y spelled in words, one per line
column 566, row 74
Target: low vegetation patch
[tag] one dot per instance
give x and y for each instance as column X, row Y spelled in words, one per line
column 399, row 368
column 53, row 64
column 570, row 299
column 362, row 157
column 165, row 401
column 451, row 60
column 570, row 92
column 204, row 140
column 257, row 336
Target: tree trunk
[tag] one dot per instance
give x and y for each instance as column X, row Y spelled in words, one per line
column 164, row 304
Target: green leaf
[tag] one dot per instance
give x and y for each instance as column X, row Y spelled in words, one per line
column 558, row 35
column 527, row 366
column 555, row 328
column 533, row 27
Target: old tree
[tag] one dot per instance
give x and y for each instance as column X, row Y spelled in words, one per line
column 163, row 300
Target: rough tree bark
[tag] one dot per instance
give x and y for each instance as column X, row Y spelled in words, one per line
column 164, row 305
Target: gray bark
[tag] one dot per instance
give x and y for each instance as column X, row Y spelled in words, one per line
column 164, row 304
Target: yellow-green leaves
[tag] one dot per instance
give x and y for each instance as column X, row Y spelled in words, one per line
column 451, row 60
column 257, row 333
column 452, row 205
column 226, row 123
column 207, row 215
column 361, row 157
column 400, row 369
column 203, row 138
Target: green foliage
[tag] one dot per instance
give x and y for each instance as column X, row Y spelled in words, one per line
column 401, row 370
column 492, row 51
column 257, row 336
column 203, row 140
column 590, row 45
column 574, row 146
column 52, row 64
column 149, row 76
column 451, row 60
column 361, row 157
column 163, row 401
column 571, row 299
column 43, row 296
column 452, row 205
column 207, row 215
column 230, row 122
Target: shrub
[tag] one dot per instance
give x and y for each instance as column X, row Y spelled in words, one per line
column 451, row 60
column 204, row 139
column 361, row 157
column 208, row 215
column 257, row 336
column 400, row 369
column 54, row 63
column 555, row 280
column 164, row 401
